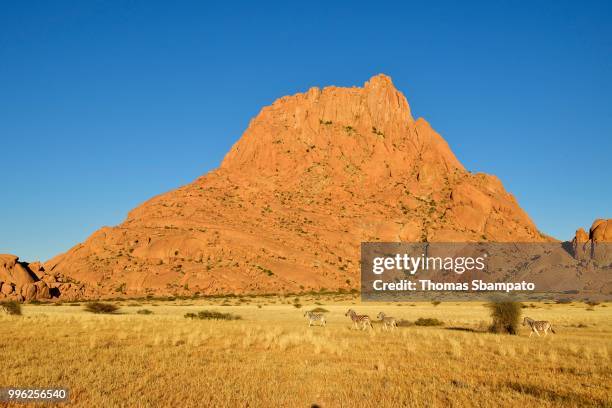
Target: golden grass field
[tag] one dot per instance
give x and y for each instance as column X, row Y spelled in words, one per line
column 272, row 358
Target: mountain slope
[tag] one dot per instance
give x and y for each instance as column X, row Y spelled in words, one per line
column 313, row 176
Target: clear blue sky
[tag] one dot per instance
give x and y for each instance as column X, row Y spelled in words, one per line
column 105, row 104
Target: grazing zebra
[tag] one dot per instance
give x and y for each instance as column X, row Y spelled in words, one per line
column 538, row 326
column 315, row 317
column 387, row 321
column 363, row 319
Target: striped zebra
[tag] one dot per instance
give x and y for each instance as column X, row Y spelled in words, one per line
column 364, row 320
column 315, row 317
column 538, row 326
column 389, row 323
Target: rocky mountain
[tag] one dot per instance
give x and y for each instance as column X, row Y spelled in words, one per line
column 313, row 176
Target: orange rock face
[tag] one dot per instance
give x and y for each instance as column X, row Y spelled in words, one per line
column 581, row 236
column 18, row 281
column 601, row 231
column 313, row 176
column 595, row 244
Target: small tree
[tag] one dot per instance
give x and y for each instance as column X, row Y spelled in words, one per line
column 11, row 307
column 211, row 315
column 101, row 308
column 506, row 315
column 421, row 321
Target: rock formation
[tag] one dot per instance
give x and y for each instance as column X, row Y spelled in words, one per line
column 601, row 230
column 597, row 244
column 26, row 282
column 313, row 176
column 18, row 281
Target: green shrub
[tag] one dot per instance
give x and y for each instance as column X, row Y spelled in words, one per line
column 144, row 312
column 212, row 315
column 101, row 308
column 428, row 322
column 11, row 307
column 531, row 305
column 377, row 132
column 436, row 302
column 506, row 315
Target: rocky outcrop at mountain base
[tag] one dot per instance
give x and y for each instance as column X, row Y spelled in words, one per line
column 18, row 281
column 597, row 244
column 26, row 282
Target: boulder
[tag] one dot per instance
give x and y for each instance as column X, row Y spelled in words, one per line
column 28, row 292
column 20, row 281
column 580, row 246
column 596, row 245
column 50, row 279
column 38, row 269
column 601, row 230
column 7, row 288
column 581, row 236
column 42, row 290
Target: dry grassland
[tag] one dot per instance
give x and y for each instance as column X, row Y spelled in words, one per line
column 271, row 357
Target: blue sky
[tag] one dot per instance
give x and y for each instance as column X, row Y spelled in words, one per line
column 105, row 104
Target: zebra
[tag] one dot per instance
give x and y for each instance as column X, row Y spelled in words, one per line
column 315, row 317
column 363, row 319
column 387, row 321
column 538, row 326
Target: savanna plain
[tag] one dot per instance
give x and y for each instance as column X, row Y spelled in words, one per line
column 149, row 354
